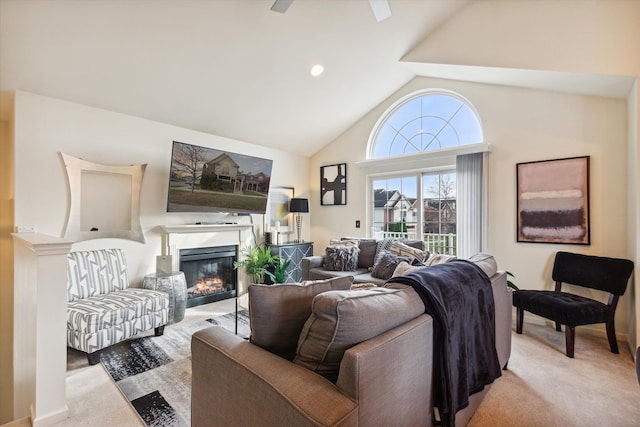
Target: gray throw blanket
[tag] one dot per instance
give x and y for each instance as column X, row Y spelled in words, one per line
column 458, row 296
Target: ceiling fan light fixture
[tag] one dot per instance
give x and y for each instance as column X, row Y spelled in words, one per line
column 381, row 9
column 281, row 6
column 316, row 70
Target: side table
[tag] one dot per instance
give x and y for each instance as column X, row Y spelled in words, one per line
column 175, row 285
column 294, row 252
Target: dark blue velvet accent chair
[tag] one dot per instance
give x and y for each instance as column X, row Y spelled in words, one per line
column 605, row 274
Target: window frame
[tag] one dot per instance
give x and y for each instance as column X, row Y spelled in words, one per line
column 406, row 99
column 426, row 162
column 419, row 176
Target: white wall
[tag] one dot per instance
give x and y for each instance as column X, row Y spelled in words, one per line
column 593, row 37
column 46, row 126
column 521, row 125
column 634, row 209
column 597, row 37
column 6, row 257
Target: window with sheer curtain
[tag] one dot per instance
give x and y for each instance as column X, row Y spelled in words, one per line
column 441, row 200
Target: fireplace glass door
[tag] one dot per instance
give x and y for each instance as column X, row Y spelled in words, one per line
column 209, row 274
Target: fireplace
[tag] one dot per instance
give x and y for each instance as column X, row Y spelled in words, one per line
column 209, row 274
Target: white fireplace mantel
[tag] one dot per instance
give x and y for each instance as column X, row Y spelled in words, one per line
column 176, row 237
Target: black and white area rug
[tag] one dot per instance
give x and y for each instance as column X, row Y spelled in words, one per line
column 154, row 373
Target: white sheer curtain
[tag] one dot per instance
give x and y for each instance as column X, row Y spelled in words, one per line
column 470, row 194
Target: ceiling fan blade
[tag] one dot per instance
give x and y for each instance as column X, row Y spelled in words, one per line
column 281, row 6
column 381, row 9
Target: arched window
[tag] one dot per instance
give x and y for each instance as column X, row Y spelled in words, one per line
column 426, row 133
column 425, row 121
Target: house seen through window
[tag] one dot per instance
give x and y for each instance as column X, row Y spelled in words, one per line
column 421, row 204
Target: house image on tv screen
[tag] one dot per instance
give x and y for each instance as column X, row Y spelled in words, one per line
column 224, row 168
column 204, row 179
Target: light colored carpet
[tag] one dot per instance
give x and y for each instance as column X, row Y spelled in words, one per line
column 93, row 398
column 542, row 387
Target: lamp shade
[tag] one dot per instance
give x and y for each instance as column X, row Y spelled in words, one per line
column 299, row 205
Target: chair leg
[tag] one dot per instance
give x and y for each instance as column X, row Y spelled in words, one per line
column 558, row 327
column 519, row 319
column 93, row 358
column 570, row 339
column 159, row 330
column 611, row 334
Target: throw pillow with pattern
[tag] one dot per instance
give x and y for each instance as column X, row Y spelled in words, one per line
column 386, row 264
column 341, row 258
column 399, row 248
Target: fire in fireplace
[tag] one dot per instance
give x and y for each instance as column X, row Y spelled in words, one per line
column 209, row 274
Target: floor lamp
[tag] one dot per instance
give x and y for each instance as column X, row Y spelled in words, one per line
column 298, row 207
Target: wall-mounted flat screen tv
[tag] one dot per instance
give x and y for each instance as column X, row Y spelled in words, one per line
column 208, row 180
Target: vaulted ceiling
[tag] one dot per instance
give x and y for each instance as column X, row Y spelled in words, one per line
column 235, row 68
column 227, row 67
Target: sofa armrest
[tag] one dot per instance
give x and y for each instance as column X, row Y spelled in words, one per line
column 228, row 372
column 309, row 263
column 391, row 375
column 503, row 300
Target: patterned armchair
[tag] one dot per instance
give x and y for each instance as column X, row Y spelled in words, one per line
column 102, row 309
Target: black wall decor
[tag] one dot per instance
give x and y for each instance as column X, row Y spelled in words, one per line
column 333, row 184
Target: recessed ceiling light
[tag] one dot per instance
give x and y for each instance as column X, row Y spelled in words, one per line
column 316, row 70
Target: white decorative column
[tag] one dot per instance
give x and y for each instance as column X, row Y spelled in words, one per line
column 40, row 327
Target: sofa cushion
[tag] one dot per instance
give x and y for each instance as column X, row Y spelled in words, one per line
column 341, row 258
column 277, row 312
column 367, row 254
column 342, row 319
column 322, row 273
column 386, row 264
column 106, row 311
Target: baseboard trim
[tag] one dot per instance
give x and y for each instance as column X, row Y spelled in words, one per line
column 50, row 418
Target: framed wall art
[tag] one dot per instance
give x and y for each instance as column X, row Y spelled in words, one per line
column 279, row 198
column 333, row 184
column 553, row 201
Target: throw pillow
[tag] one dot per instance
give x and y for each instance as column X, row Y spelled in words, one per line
column 367, row 255
column 385, row 245
column 486, row 262
column 277, row 312
column 404, row 268
column 399, row 248
column 382, row 245
column 341, row 258
column 436, row 259
column 342, row 319
column 386, row 264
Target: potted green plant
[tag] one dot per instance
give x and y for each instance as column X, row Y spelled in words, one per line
column 280, row 270
column 257, row 262
column 510, row 283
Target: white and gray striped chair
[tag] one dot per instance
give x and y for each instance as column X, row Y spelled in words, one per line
column 102, row 309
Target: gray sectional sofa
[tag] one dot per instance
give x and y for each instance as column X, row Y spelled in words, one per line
column 235, row 381
column 313, row 267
